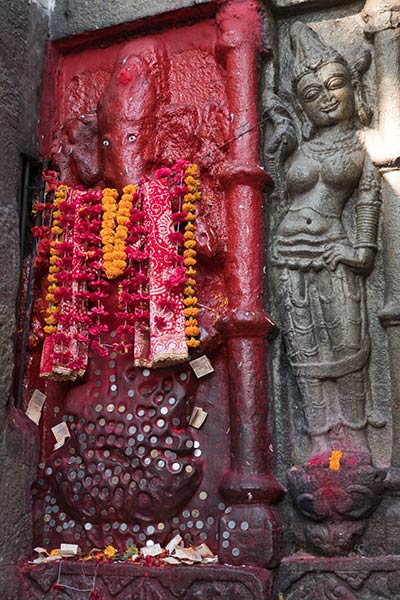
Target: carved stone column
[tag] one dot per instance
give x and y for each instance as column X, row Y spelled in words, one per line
column 382, row 22
column 249, row 484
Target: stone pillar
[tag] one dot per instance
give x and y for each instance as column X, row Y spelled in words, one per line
column 382, row 23
column 249, row 484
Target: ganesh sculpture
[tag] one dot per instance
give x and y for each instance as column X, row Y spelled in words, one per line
column 319, row 276
column 127, row 243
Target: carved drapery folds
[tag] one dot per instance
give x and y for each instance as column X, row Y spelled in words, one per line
column 319, row 273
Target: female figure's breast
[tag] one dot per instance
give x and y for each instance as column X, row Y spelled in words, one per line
column 302, row 175
column 342, row 170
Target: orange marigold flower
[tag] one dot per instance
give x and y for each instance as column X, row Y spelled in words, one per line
column 110, row 192
column 191, row 301
column 121, row 235
column 189, row 253
column 192, row 331
column 189, row 262
column 191, row 311
column 193, row 170
column 49, row 328
column 118, row 255
column 190, row 244
column 124, row 212
column 120, row 263
column 110, row 551
column 190, row 322
column 122, row 220
column 193, row 343
column 129, row 189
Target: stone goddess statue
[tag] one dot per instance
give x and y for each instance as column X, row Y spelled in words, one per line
column 318, row 269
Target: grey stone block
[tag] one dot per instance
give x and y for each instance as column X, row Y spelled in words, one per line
column 71, row 16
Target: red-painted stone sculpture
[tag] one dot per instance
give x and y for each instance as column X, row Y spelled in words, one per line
column 133, row 470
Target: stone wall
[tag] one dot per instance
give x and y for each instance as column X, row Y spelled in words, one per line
column 353, row 29
column 23, row 34
column 70, row 18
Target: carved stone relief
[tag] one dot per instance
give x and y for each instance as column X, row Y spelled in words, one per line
column 349, row 579
column 136, row 583
column 132, row 463
column 319, row 281
column 133, row 470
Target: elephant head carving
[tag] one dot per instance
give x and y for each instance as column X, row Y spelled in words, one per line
column 136, row 127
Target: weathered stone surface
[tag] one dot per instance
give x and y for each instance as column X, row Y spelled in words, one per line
column 294, row 6
column 303, row 577
column 23, row 32
column 88, row 15
column 20, row 85
column 18, row 457
column 129, row 582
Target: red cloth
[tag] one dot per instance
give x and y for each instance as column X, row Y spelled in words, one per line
column 163, row 341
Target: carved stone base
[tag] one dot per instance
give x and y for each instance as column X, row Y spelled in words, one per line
column 250, row 535
column 337, row 499
column 130, row 582
column 304, row 577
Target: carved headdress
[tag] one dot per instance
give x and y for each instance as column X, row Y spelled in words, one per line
column 310, row 53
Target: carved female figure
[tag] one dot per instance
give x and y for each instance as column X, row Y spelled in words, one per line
column 318, row 270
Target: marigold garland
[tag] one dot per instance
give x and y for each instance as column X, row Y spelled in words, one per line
column 56, row 233
column 93, row 231
column 193, row 194
column 114, row 231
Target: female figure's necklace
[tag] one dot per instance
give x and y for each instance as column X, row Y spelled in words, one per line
column 340, row 141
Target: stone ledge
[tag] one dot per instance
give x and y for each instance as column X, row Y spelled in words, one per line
column 304, row 576
column 120, row 581
column 294, row 6
column 70, row 18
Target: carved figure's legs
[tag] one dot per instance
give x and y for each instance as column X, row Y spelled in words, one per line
column 334, row 411
column 323, row 320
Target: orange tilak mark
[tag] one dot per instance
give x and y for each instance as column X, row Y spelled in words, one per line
column 334, row 460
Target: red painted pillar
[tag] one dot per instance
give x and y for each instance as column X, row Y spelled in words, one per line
column 253, row 526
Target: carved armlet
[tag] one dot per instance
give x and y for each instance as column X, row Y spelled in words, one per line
column 367, row 212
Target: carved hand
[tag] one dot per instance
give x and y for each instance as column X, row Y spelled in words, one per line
column 360, row 259
column 284, row 135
